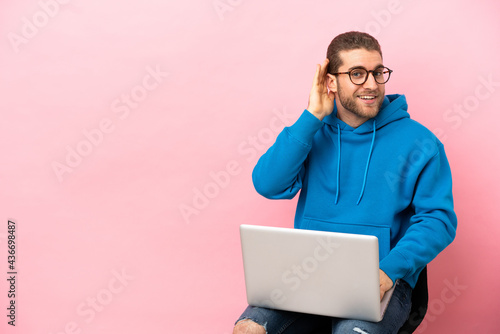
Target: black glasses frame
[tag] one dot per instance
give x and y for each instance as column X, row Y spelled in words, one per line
column 386, row 70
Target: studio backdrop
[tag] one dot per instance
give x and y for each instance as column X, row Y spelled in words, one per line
column 129, row 130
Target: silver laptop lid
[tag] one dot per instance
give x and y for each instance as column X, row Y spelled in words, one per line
column 325, row 273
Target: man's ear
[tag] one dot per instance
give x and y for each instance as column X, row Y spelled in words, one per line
column 331, row 82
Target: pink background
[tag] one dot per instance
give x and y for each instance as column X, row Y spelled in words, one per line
column 103, row 246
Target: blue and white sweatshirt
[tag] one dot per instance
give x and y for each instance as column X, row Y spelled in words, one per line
column 389, row 177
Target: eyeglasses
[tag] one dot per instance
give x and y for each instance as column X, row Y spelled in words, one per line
column 359, row 75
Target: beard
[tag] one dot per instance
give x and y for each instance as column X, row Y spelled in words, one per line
column 350, row 103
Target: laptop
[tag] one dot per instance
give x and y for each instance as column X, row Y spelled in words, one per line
column 317, row 272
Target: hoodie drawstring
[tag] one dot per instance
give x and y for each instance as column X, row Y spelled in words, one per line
column 367, row 164
column 366, row 168
column 338, row 167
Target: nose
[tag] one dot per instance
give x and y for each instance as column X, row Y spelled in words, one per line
column 370, row 82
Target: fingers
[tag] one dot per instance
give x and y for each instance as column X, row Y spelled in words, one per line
column 320, row 75
column 385, row 283
column 322, row 72
column 316, row 75
column 324, row 67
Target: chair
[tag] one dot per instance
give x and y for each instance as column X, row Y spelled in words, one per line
column 419, row 301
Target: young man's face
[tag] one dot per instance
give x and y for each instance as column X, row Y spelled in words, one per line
column 357, row 103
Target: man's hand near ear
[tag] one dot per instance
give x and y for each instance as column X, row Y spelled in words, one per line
column 320, row 98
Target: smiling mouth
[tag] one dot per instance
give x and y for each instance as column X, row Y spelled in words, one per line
column 367, row 97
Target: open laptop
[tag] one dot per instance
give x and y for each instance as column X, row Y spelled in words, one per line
column 324, row 273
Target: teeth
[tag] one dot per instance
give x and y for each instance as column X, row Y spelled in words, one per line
column 367, row 97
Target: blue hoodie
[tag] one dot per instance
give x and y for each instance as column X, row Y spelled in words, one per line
column 389, row 177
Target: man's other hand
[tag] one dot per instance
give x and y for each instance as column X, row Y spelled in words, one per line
column 385, row 283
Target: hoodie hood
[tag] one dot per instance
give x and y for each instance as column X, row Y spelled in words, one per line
column 394, row 107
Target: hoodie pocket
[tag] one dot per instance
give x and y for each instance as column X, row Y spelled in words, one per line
column 383, row 233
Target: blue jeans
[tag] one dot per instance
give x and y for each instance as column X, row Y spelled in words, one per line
column 285, row 322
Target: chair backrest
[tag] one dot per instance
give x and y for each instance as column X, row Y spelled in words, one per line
column 419, row 301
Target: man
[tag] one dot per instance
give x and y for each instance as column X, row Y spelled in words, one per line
column 363, row 166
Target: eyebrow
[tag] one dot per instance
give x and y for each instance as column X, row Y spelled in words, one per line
column 355, row 67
